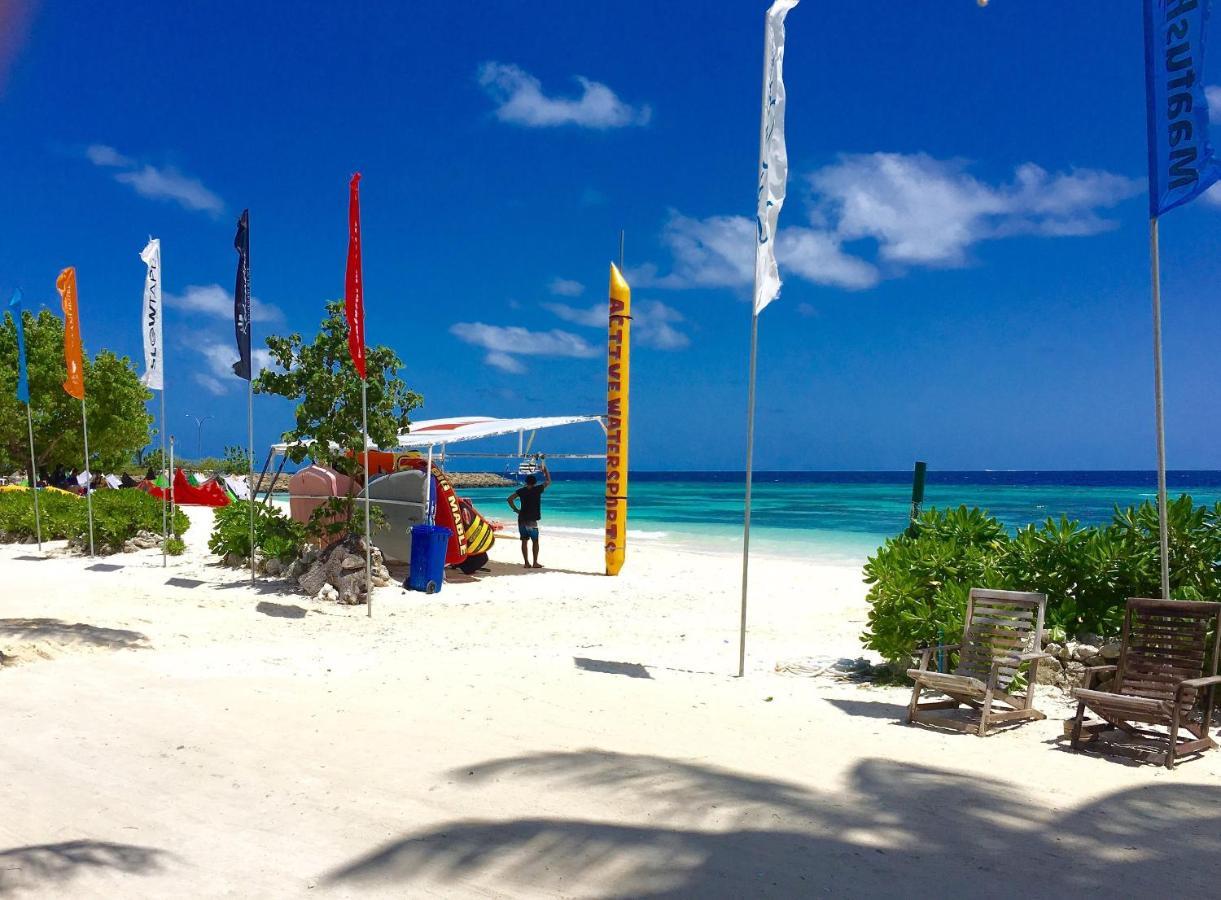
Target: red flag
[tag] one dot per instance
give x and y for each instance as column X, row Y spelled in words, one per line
column 354, row 289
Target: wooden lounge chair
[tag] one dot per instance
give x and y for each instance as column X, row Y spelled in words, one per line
column 1003, row 630
column 1165, row 650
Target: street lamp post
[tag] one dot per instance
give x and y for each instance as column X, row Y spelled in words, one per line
column 198, row 434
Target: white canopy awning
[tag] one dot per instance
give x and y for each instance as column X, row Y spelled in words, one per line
column 436, row 432
column 431, row 432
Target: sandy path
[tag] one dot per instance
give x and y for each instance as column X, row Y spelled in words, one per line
column 208, row 740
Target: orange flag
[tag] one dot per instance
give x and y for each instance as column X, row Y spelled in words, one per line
column 74, row 384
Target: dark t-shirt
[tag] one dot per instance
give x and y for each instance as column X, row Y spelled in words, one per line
column 531, row 497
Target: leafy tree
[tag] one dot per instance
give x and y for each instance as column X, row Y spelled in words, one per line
column 235, row 461
column 321, row 378
column 115, row 400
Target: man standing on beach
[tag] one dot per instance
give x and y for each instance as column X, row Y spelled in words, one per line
column 529, row 509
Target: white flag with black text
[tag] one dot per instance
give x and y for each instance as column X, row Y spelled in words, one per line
column 150, row 325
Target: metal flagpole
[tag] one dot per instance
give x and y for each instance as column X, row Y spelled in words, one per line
column 1158, row 404
column 250, row 459
column 428, row 516
column 88, row 474
column 165, row 497
column 364, row 420
column 750, row 391
column 169, row 486
column 750, row 462
column 29, row 421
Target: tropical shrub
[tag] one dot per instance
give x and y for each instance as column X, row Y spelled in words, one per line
column 919, row 580
column 58, row 514
column 119, row 515
column 275, row 534
column 175, row 546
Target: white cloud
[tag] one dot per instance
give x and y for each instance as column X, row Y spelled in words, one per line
column 170, row 184
column 592, row 317
column 918, row 211
column 653, row 325
column 1212, row 93
column 566, row 287
column 505, row 343
column 214, row 300
column 719, row 252
column 653, row 322
column 520, row 101
column 219, row 357
column 504, row 362
column 158, row 183
column 102, row 155
column 208, row 383
column 713, row 252
column 819, row 257
column 929, row 212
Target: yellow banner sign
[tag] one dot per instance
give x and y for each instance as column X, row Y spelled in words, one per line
column 618, row 360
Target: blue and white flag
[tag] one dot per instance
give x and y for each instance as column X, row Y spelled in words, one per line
column 773, row 157
column 1181, row 161
column 23, row 379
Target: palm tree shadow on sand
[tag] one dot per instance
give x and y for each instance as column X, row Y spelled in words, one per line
column 899, row 828
column 32, row 867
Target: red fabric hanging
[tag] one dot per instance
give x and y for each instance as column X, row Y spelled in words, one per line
column 186, row 494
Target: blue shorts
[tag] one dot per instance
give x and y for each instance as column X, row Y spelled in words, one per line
column 528, row 530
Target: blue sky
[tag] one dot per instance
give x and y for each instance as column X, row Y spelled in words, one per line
column 964, row 248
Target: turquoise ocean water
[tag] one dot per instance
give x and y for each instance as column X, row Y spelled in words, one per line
column 831, row 516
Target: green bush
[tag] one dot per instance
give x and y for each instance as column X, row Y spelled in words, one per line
column 119, row 515
column 919, row 580
column 58, row 513
column 275, row 534
column 175, row 546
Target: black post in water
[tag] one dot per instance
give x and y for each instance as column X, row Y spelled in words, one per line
column 917, row 490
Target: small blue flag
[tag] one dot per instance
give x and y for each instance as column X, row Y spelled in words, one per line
column 23, row 381
column 1181, row 161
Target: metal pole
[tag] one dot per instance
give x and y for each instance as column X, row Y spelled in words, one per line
column 428, row 515
column 250, row 460
column 29, row 421
column 165, row 497
column 88, row 474
column 1158, row 402
column 750, row 394
column 169, row 487
column 750, row 461
column 364, row 423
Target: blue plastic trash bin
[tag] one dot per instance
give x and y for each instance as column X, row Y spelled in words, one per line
column 428, row 546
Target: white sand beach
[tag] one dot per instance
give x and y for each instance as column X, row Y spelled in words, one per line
column 175, row 732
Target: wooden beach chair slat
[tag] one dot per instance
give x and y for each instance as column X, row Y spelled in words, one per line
column 1002, row 632
column 1164, row 654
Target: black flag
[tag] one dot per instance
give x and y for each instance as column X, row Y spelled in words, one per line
column 241, row 296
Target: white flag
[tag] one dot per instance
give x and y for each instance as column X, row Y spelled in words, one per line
column 151, row 323
column 773, row 157
column 238, row 485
